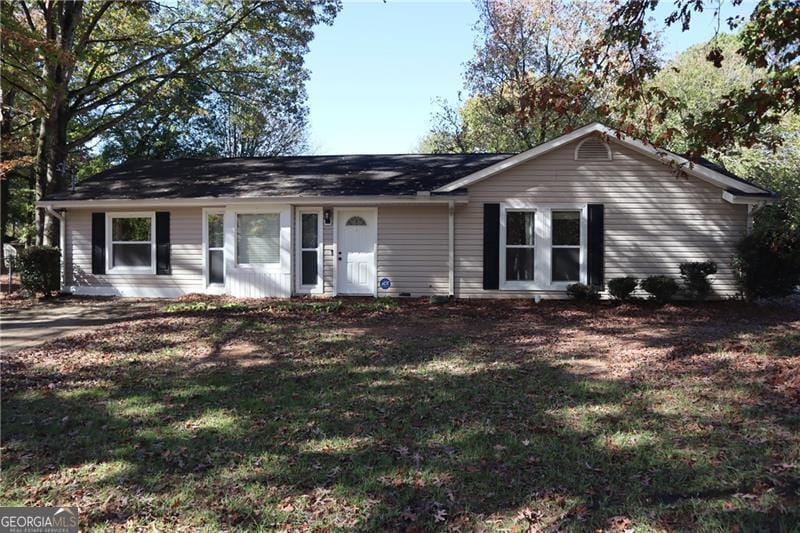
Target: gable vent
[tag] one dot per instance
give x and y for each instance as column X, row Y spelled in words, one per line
column 592, row 150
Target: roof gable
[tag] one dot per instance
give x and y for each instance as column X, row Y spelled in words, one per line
column 721, row 179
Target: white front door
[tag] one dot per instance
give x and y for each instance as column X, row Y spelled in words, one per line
column 356, row 240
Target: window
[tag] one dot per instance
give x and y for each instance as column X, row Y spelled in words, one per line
column 309, row 249
column 131, row 242
column 356, row 221
column 566, row 246
column 520, row 239
column 542, row 247
column 258, row 239
column 216, row 248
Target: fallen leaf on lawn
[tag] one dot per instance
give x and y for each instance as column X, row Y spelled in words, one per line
column 619, row 523
column 408, row 516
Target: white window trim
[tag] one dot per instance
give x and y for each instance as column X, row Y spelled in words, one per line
column 583, row 209
column 519, row 284
column 206, row 269
column 110, row 268
column 543, row 271
column 299, row 287
column 261, row 267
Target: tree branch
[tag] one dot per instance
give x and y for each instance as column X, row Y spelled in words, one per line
column 28, row 16
column 92, row 25
column 21, row 68
column 155, row 57
column 24, row 90
column 177, row 70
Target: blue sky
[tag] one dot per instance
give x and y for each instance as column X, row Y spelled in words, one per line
column 376, row 72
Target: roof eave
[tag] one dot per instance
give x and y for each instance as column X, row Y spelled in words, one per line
column 738, row 197
column 432, row 199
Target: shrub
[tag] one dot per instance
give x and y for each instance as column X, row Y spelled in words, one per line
column 582, row 293
column 202, row 307
column 767, row 262
column 661, row 288
column 621, row 288
column 695, row 278
column 39, row 269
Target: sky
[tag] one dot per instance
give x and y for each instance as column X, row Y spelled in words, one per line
column 376, row 73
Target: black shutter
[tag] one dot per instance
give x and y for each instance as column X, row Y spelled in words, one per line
column 595, row 246
column 98, row 243
column 491, row 246
column 162, row 243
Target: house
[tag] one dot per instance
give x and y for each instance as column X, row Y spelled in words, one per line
column 588, row 206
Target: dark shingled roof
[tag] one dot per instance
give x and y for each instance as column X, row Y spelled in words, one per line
column 334, row 175
column 703, row 162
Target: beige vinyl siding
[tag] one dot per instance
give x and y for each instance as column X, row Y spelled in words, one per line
column 653, row 219
column 186, row 254
column 412, row 249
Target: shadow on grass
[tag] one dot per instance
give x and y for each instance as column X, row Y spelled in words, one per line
column 447, row 419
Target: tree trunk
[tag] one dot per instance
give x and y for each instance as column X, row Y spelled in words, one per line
column 6, row 115
column 51, row 153
column 40, row 177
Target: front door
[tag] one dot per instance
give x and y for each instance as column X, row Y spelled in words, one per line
column 356, row 240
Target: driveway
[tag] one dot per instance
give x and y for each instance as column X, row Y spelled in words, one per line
column 25, row 327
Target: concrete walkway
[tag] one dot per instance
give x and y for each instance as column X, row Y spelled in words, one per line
column 46, row 320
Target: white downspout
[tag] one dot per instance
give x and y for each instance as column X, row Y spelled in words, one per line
column 62, row 239
column 451, row 234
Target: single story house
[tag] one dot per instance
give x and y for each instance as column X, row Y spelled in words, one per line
column 589, row 206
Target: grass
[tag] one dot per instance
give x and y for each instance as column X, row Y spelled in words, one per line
column 375, row 415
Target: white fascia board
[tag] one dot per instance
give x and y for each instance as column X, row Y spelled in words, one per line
column 283, row 200
column 746, row 199
column 681, row 163
column 612, row 135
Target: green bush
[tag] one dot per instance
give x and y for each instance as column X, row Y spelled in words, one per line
column 695, row 278
column 582, row 293
column 767, row 262
column 661, row 288
column 39, row 269
column 622, row 288
column 203, row 307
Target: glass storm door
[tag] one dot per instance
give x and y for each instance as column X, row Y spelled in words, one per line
column 215, row 252
column 309, row 251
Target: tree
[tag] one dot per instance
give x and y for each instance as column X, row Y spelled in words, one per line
column 89, row 67
column 697, row 86
column 770, row 43
column 239, row 128
column 524, row 79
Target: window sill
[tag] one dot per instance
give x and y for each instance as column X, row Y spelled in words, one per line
column 267, row 267
column 310, row 289
column 530, row 286
column 130, row 270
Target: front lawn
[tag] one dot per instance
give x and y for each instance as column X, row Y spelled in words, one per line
column 386, row 415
